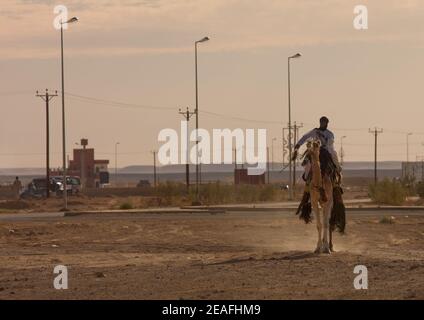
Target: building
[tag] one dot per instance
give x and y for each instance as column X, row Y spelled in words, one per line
column 93, row 173
column 241, row 177
column 414, row 170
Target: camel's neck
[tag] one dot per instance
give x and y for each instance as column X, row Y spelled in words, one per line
column 316, row 170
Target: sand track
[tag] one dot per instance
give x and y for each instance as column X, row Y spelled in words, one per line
column 227, row 256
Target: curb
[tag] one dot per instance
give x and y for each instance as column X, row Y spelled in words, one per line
column 158, row 212
column 354, row 209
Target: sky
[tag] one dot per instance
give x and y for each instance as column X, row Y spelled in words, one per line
column 129, row 67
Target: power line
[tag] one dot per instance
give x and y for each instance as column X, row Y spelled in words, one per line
column 113, row 103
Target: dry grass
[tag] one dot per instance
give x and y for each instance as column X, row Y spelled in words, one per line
column 388, row 192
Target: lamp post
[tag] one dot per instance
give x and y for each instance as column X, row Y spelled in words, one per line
column 197, row 116
column 291, row 170
column 65, row 191
column 116, row 164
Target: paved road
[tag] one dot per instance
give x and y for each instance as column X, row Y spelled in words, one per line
column 249, row 214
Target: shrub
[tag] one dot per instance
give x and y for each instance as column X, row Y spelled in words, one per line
column 126, row 206
column 420, row 189
column 174, row 193
column 388, row 192
column 387, row 220
column 218, row 193
column 170, row 192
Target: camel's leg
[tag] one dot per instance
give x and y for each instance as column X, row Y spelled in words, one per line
column 316, row 209
column 329, row 215
column 326, row 216
column 331, row 241
column 326, row 223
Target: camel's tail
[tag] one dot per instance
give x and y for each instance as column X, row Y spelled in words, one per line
column 338, row 213
column 305, row 208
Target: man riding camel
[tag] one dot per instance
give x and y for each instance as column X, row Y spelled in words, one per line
column 328, row 156
column 328, row 184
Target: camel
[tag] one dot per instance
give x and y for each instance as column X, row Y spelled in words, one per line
column 321, row 192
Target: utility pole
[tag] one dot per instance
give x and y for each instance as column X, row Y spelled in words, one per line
column 154, row 169
column 407, row 153
column 422, row 166
column 187, row 115
column 375, row 132
column 342, row 151
column 267, row 162
column 116, row 164
column 47, row 97
column 272, row 153
column 285, row 146
column 296, row 128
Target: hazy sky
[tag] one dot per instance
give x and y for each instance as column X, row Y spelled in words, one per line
column 141, row 52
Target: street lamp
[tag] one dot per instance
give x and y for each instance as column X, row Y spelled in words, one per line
column 291, row 171
column 197, row 116
column 116, row 164
column 65, row 191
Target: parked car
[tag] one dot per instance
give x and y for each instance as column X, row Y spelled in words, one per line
column 37, row 188
column 73, row 184
column 143, row 184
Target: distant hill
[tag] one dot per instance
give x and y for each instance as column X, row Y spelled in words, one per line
column 22, row 171
column 218, row 168
column 360, row 165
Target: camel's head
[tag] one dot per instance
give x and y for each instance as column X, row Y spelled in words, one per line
column 313, row 147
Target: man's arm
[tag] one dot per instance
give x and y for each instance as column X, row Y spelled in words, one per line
column 305, row 137
column 302, row 140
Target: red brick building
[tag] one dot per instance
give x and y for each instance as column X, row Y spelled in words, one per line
column 92, row 172
column 241, row 177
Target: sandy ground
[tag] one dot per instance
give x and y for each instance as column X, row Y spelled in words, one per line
column 254, row 255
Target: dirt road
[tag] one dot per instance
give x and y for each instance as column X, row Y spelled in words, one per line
column 237, row 255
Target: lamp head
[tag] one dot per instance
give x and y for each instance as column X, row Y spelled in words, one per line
column 297, row 55
column 72, row 20
column 203, row 40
